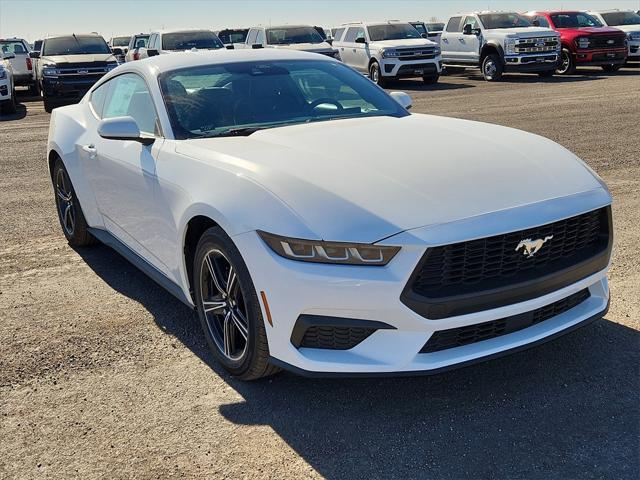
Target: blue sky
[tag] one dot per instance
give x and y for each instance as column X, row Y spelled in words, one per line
column 33, row 19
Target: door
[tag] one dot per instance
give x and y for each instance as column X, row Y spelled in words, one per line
column 125, row 181
column 347, row 47
column 470, row 44
column 449, row 40
column 361, row 52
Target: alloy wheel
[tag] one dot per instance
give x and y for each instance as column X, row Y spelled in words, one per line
column 490, row 68
column 374, row 74
column 64, row 198
column 223, row 305
column 564, row 65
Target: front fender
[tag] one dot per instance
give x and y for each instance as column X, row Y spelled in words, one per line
column 492, row 44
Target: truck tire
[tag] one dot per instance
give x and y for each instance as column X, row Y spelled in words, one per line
column 492, row 68
column 33, row 90
column 9, row 106
column 48, row 105
column 376, row 75
column 567, row 64
column 431, row 79
column 611, row 68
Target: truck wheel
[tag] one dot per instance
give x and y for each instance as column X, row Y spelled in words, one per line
column 48, row 105
column 492, row 68
column 33, row 90
column 376, row 76
column 567, row 64
column 611, row 68
column 431, row 79
column 9, row 106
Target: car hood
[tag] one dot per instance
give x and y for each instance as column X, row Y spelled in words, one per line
column 627, row 28
column 103, row 57
column 407, row 42
column 521, row 32
column 362, row 180
column 306, row 47
column 591, row 30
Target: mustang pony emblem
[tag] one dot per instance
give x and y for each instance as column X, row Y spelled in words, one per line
column 531, row 247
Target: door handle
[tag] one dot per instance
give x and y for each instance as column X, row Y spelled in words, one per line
column 90, row 149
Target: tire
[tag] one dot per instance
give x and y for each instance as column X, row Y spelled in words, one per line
column 376, row 75
column 9, row 106
column 492, row 68
column 567, row 63
column 431, row 79
column 243, row 355
column 48, row 105
column 33, row 90
column 546, row 73
column 72, row 221
column 611, row 68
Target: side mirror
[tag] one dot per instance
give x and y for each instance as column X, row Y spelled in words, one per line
column 256, row 46
column 34, row 54
column 8, row 56
column 152, row 52
column 329, row 41
column 403, row 99
column 424, row 35
column 122, row 128
column 536, row 23
column 116, row 51
column 230, row 46
column 361, row 40
column 467, row 30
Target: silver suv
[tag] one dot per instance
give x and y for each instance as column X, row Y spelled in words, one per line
column 388, row 50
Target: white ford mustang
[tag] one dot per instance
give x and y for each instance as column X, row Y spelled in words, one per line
column 316, row 225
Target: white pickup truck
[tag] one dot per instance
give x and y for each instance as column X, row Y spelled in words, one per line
column 293, row 37
column 499, row 42
column 20, row 61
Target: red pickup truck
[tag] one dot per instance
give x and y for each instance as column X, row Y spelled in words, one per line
column 585, row 41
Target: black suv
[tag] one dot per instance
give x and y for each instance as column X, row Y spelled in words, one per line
column 68, row 66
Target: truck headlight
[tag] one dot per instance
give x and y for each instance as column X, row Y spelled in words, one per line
column 50, row 71
column 390, row 54
column 583, row 42
column 437, row 51
column 318, row 251
column 510, row 46
column 3, row 73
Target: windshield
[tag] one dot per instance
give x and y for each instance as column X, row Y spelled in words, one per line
column 75, row 45
column 574, row 20
column 233, row 36
column 215, row 100
column 292, row 35
column 621, row 18
column 120, row 41
column 435, row 27
column 504, row 20
column 140, row 41
column 201, row 40
column 420, row 27
column 392, row 31
column 36, row 45
column 13, row 46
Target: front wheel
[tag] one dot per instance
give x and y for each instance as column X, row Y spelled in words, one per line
column 492, row 68
column 49, row 105
column 431, row 79
column 376, row 75
column 567, row 64
column 611, row 68
column 9, row 106
column 229, row 308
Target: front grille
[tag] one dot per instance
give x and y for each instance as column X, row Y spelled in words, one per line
column 421, row 53
column 79, row 69
column 606, row 41
column 334, row 338
column 537, row 45
column 458, row 337
column 490, row 272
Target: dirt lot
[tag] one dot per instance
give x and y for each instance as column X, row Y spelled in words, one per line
column 102, row 373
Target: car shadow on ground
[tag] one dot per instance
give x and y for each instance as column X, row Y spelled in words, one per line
column 420, row 86
column 530, row 78
column 21, row 112
column 566, row 409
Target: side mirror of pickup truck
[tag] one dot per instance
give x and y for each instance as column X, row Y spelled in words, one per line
column 424, row 35
column 34, row 54
column 152, row 52
column 536, row 23
column 361, row 40
column 230, row 46
column 256, row 45
column 467, row 30
column 117, row 51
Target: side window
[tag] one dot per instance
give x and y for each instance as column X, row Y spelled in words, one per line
column 251, row 37
column 129, row 96
column 260, row 37
column 152, row 41
column 470, row 20
column 454, row 25
column 542, row 21
column 337, row 35
column 350, row 37
column 97, row 98
column 360, row 34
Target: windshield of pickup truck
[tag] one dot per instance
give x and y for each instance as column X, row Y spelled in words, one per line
column 202, row 40
column 621, row 18
column 238, row 98
column 504, row 20
column 574, row 20
column 420, row 27
column 120, row 41
column 435, row 27
column 233, row 36
column 392, row 31
column 75, row 45
column 13, row 46
column 292, row 35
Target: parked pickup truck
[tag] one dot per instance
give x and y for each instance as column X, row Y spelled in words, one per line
column 170, row 41
column 585, row 41
column 69, row 65
column 629, row 23
column 20, row 61
column 7, row 87
column 231, row 36
column 293, row 37
column 499, row 42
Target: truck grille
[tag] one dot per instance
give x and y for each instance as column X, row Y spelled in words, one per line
column 83, row 69
column 421, row 53
column 537, row 45
column 606, row 41
column 458, row 337
column 489, row 272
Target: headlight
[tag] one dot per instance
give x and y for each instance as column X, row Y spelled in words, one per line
column 50, row 71
column 390, row 53
column 3, row 73
column 583, row 42
column 437, row 51
column 510, row 46
column 318, row 251
column 634, row 36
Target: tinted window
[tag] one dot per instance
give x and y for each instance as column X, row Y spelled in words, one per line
column 392, row 31
column 337, row 33
column 233, row 36
column 187, row 40
column 351, row 34
column 321, row 31
column 120, row 41
column 454, row 24
column 292, row 35
column 420, row 27
column 37, row 45
column 140, row 41
column 75, row 45
column 435, row 27
column 12, row 46
column 211, row 100
column 260, row 37
column 253, row 34
column 504, row 20
column 98, row 96
column 128, row 96
column 470, row 20
column 574, row 20
column 621, row 18
column 542, row 21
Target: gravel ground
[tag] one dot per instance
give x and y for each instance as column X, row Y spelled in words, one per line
column 103, row 374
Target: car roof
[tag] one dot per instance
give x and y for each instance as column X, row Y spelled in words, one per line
column 179, row 30
column 611, row 10
column 285, row 26
column 60, row 35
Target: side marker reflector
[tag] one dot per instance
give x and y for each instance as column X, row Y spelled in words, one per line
column 266, row 307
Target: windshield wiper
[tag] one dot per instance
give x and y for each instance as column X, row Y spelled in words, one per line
column 235, row 132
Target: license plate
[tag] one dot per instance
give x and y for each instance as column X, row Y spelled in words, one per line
column 419, row 72
column 539, row 60
column 611, row 55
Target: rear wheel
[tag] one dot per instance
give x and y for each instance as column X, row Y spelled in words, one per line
column 431, row 79
column 567, row 64
column 611, row 68
column 492, row 68
column 376, row 75
column 229, row 309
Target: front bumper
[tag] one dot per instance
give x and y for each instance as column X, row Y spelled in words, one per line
column 390, row 67
column 68, row 89
column 531, row 62
column 600, row 57
column 372, row 294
